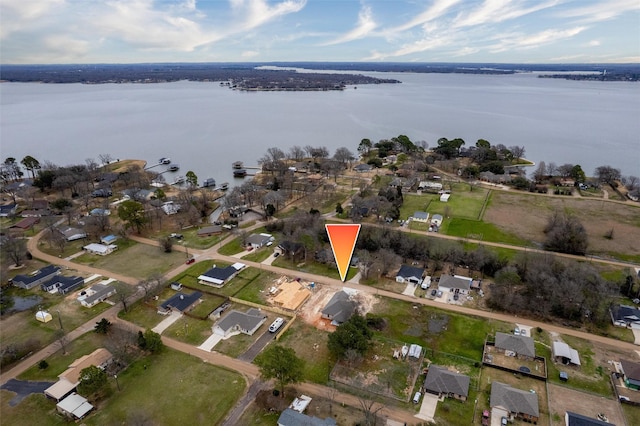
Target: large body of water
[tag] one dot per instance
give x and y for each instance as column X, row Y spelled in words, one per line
column 205, row 127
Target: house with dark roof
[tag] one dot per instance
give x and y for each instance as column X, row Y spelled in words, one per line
column 565, row 354
column 411, row 274
column 240, row 322
column 37, row 278
column 291, row 417
column 96, row 294
column 8, row 210
column 517, row 403
column 625, row 316
column 72, row 234
column 519, row 346
column 218, row 277
column 208, row 231
column 420, row 216
column 442, row 382
column 631, row 374
column 26, row 223
column 62, row 284
column 362, row 168
column 258, row 240
column 575, row 419
column 291, row 248
column 455, row 284
column 179, row 302
column 340, row 308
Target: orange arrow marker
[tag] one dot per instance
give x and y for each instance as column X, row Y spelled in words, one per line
column 343, row 239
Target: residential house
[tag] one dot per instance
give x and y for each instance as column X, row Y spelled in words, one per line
column 37, row 278
column 436, row 220
column 179, row 302
column 565, row 354
column 217, row 277
column 429, row 186
column 419, row 216
column 631, row 374
column 41, row 205
column 575, row 419
column 291, row 417
column 240, row 322
column 34, row 213
column 625, row 316
column 208, row 231
column 517, row 403
column 340, row 308
column 445, row 197
column 96, row 294
column 290, row 248
column 62, row 284
column 258, row 240
column 8, row 210
column 362, row 168
column 170, row 208
column 455, row 284
column 74, row 406
column 100, row 212
column 26, row 223
column 100, row 249
column 72, row 234
column 512, row 345
column 69, row 379
column 108, row 239
column 138, row 194
column 442, row 382
column 411, row 274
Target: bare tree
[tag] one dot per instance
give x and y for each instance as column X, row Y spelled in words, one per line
column 296, row 153
column 14, row 249
column 105, row 159
column 123, row 292
column 517, row 151
column 370, row 410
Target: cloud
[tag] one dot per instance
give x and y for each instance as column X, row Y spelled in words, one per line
column 19, row 14
column 530, row 41
column 491, row 11
column 594, row 43
column 602, row 11
column 258, row 12
column 439, row 8
column 364, row 27
column 428, row 43
column 250, row 54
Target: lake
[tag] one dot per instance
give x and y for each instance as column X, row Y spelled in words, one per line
column 205, row 127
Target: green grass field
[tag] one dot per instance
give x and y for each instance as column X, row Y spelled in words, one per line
column 477, row 230
column 314, row 268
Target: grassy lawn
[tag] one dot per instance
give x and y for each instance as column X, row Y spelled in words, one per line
column 414, row 202
column 36, row 409
column 59, row 362
column 313, row 268
column 171, row 388
column 474, row 229
column 588, row 377
column 631, row 414
column 232, row 247
column 142, row 315
column 137, row 260
column 70, row 248
column 255, row 290
column 310, row 344
column 207, row 305
column 189, row 330
column 463, row 203
column 259, row 255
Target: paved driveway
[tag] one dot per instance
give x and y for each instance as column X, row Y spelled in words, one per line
column 428, row 407
column 23, row 389
column 165, row 323
column 259, row 344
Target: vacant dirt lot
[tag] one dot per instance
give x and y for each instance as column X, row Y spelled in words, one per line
column 564, row 399
column 311, row 311
column 525, row 215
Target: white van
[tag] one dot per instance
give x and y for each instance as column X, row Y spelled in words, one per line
column 276, row 325
column 416, row 397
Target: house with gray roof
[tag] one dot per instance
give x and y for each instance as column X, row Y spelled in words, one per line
column 575, row 419
column 240, row 322
column 62, row 284
column 625, row 316
column 291, row 417
column 454, row 284
column 258, row 240
column 71, row 233
column 631, row 374
column 518, row 403
column 420, row 216
column 217, row 277
column 96, row 294
column 520, row 346
column 339, row 309
column 565, row 354
column 37, row 278
column 179, row 302
column 442, row 382
column 411, row 274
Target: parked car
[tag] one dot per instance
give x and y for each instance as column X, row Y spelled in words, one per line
column 504, row 421
column 176, row 236
column 190, row 261
column 102, row 192
column 276, row 254
column 416, row 397
column 456, row 297
column 439, row 293
column 434, row 292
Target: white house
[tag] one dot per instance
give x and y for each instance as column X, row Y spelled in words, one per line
column 444, row 197
column 240, row 322
column 217, row 277
column 96, row 294
column 410, row 274
column 100, row 249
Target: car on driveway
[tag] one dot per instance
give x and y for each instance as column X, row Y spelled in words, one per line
column 434, row 292
column 276, row 325
column 190, row 261
column 439, row 293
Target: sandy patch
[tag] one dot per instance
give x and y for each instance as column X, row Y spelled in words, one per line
column 563, row 399
column 311, row 311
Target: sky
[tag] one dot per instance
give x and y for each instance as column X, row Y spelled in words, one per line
column 499, row 31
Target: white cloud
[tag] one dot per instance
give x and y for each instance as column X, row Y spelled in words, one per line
column 594, row 43
column 530, row 41
column 250, row 54
column 428, row 43
column 16, row 15
column 491, row 11
column 364, row 27
column 258, row 12
column 600, row 11
column 439, row 8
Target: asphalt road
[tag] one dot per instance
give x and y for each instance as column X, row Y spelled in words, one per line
column 24, row 388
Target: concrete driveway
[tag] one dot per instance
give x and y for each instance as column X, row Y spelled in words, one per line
column 24, row 388
column 428, row 407
column 258, row 345
column 165, row 323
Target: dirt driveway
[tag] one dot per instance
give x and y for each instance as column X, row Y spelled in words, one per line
column 563, row 399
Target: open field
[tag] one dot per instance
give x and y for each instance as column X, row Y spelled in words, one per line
column 563, row 399
column 137, row 260
column 313, row 267
column 310, row 344
column 510, row 210
column 189, row 330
